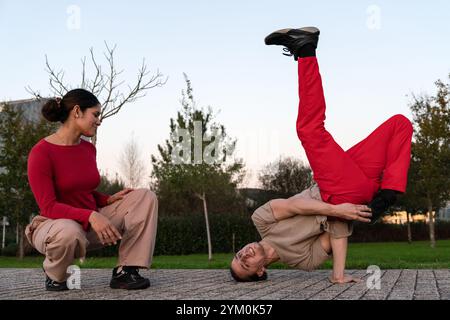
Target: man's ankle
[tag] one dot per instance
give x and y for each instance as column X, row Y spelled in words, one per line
column 389, row 195
column 307, row 50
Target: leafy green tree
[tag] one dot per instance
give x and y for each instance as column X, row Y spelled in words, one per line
column 17, row 136
column 286, row 177
column 195, row 170
column 110, row 186
column 413, row 200
column 431, row 152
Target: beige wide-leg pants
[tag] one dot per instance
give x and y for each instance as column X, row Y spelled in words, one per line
column 64, row 240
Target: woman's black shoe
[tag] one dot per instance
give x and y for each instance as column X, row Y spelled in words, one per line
column 128, row 278
column 52, row 285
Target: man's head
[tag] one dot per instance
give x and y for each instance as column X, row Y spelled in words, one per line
column 249, row 263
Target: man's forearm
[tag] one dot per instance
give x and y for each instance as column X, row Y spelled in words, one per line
column 298, row 205
column 308, row 206
column 339, row 250
column 286, row 208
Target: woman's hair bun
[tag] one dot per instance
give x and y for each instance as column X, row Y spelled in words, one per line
column 52, row 110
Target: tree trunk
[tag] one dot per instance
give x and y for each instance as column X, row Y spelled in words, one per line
column 21, row 243
column 3, row 232
column 17, row 233
column 233, row 244
column 431, row 223
column 408, row 226
column 208, row 234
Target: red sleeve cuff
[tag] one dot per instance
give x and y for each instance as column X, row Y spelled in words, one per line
column 101, row 199
column 85, row 221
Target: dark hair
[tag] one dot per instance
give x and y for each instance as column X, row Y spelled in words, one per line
column 57, row 109
column 253, row 277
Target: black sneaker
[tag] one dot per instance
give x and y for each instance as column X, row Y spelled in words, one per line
column 52, row 285
column 380, row 203
column 128, row 278
column 294, row 39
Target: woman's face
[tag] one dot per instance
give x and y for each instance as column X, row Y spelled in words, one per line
column 88, row 121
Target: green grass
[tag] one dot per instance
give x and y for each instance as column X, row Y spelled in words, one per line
column 401, row 255
column 386, row 255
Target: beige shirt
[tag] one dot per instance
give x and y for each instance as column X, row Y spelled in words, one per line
column 293, row 238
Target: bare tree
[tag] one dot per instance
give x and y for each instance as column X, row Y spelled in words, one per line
column 131, row 164
column 105, row 83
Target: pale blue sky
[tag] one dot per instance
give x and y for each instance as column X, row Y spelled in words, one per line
column 369, row 63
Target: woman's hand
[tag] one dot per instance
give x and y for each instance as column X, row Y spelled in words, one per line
column 105, row 230
column 349, row 211
column 118, row 196
column 344, row 279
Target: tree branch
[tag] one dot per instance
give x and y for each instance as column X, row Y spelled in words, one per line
column 137, row 91
column 97, row 85
column 56, row 80
column 104, row 85
column 83, row 72
column 199, row 196
column 35, row 94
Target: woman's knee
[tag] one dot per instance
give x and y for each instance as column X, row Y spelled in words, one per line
column 68, row 233
column 73, row 237
column 151, row 203
column 146, row 193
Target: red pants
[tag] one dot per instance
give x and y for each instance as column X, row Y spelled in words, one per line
column 379, row 161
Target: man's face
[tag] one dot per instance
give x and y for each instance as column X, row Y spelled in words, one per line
column 249, row 260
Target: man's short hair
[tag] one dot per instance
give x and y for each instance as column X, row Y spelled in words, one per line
column 253, row 277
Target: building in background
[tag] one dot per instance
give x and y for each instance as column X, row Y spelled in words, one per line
column 31, row 107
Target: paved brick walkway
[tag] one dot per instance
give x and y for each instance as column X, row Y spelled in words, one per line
column 217, row 285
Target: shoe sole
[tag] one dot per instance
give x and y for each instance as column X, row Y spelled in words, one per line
column 283, row 33
column 143, row 285
column 56, row 289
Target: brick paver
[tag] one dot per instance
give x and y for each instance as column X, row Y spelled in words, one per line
column 217, row 285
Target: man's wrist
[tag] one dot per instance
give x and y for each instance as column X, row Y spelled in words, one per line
column 338, row 275
column 332, row 211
